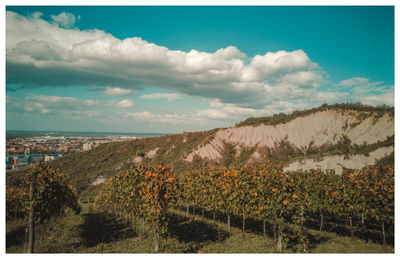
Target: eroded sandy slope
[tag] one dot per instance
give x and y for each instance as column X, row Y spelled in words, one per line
column 337, row 162
column 320, row 128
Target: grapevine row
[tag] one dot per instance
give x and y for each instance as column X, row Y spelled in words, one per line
column 263, row 192
column 140, row 192
column 44, row 193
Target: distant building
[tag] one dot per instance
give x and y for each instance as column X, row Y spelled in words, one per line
column 35, row 158
column 22, row 160
column 57, row 155
column 18, row 161
column 86, row 146
column 48, row 158
column 52, row 157
column 9, row 160
column 27, row 150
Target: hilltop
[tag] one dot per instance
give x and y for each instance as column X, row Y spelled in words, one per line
column 329, row 137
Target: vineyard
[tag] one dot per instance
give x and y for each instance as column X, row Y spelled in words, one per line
column 265, row 193
column 43, row 195
column 264, row 198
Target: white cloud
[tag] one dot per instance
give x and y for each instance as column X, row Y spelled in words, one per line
column 173, row 119
column 61, row 105
column 42, row 104
column 169, row 97
column 360, row 89
column 236, row 86
column 234, row 113
column 79, row 114
column 91, row 102
column 36, row 15
column 116, row 91
column 53, row 99
column 385, row 98
column 64, row 19
column 125, row 104
column 50, row 55
column 212, row 114
column 25, row 29
column 262, row 67
column 353, row 81
column 216, row 103
column 302, row 79
column 82, row 115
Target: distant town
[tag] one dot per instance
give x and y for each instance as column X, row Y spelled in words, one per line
column 24, row 148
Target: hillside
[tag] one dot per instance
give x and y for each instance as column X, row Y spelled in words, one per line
column 320, row 132
column 328, row 137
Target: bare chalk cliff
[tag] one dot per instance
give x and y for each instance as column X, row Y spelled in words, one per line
column 325, row 128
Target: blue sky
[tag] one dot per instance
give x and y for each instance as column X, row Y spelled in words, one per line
column 173, row 69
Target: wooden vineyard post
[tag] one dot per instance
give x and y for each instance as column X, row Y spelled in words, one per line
column 279, row 244
column 351, row 227
column 187, row 209
column 321, row 225
column 280, row 235
column 383, row 233
column 31, row 220
column 142, row 226
column 156, row 238
column 229, row 223
column 362, row 219
column 134, row 224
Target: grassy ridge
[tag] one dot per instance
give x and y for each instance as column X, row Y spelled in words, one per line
column 364, row 112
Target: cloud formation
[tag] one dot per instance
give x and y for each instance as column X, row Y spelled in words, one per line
column 169, row 97
column 50, row 55
column 117, row 91
column 41, row 104
column 55, row 53
column 64, row 19
column 125, row 104
column 360, row 89
column 172, row 119
column 70, row 107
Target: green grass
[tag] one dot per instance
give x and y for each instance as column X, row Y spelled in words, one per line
column 92, row 232
column 364, row 111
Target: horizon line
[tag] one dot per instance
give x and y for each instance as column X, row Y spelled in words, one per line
column 71, row 131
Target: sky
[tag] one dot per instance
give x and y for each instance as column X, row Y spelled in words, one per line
column 172, row 69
